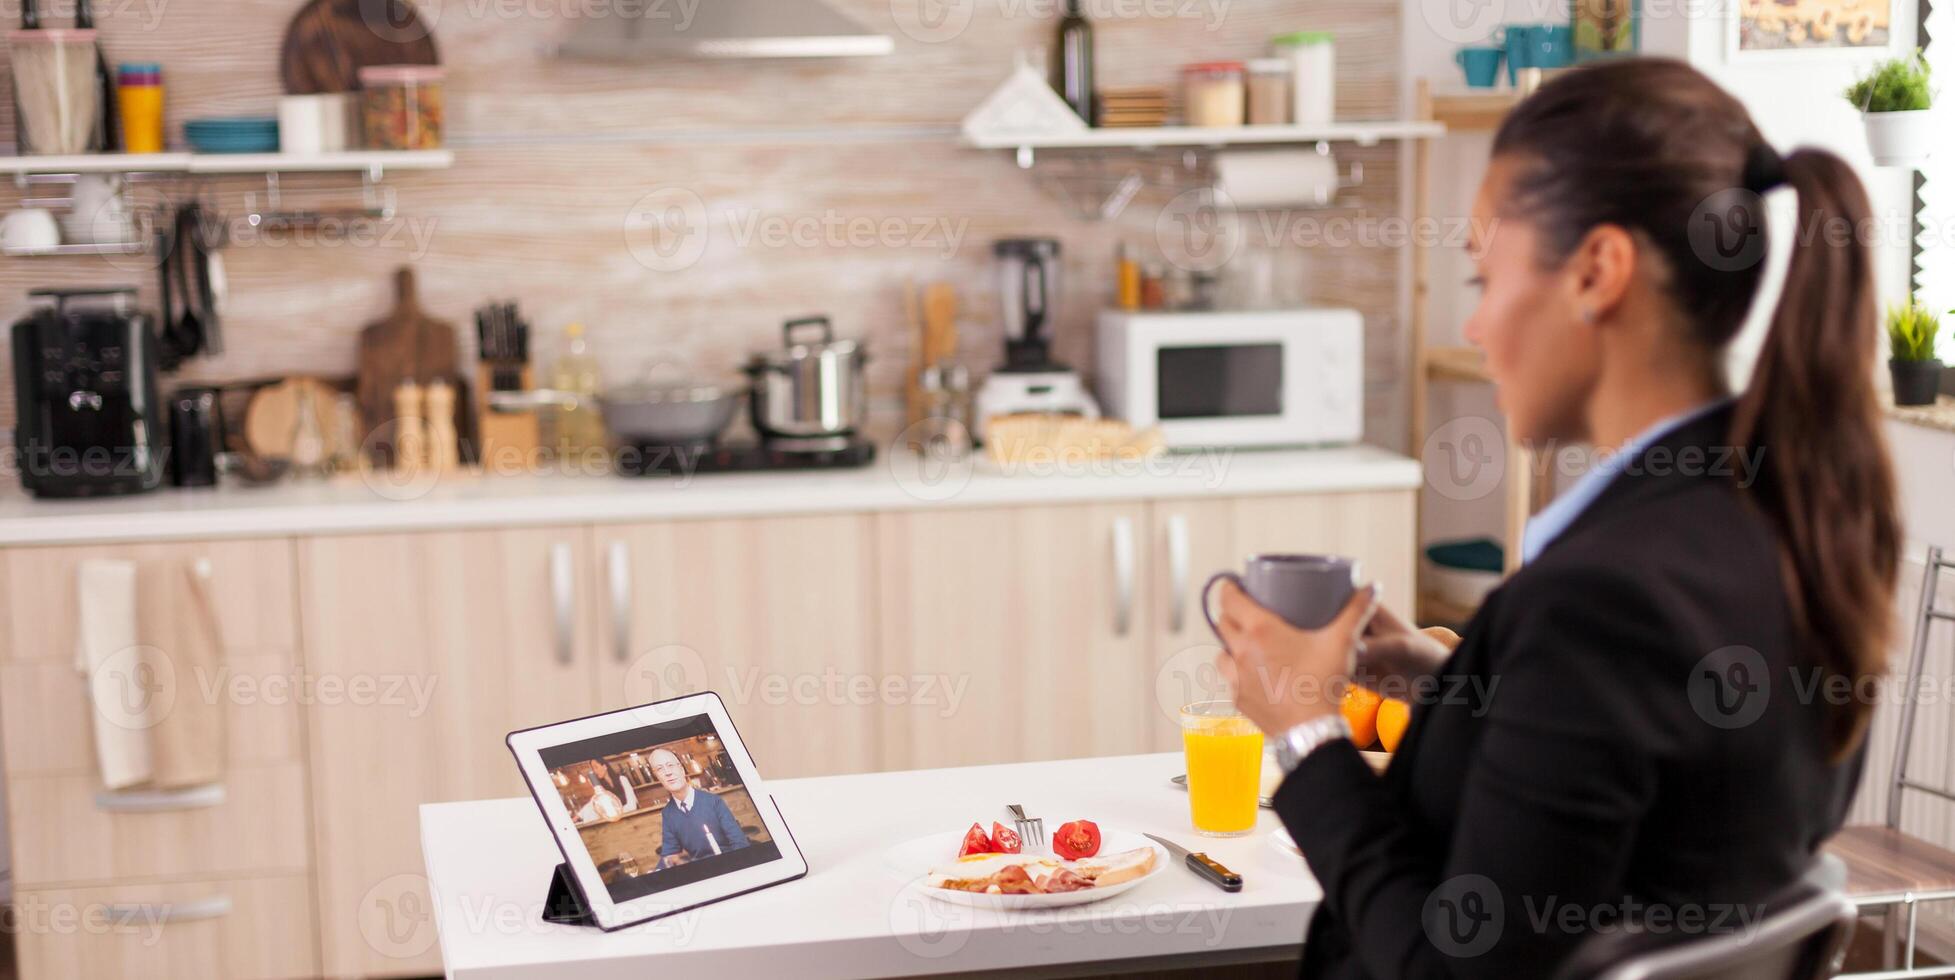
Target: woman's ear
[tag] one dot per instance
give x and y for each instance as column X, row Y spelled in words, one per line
column 1599, row 272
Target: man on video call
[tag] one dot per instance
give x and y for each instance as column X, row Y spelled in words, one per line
column 696, row 824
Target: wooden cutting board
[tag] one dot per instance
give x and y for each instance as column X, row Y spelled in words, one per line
column 329, row 41
column 408, row 345
column 272, row 421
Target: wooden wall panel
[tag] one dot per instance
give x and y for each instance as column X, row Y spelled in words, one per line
column 554, row 156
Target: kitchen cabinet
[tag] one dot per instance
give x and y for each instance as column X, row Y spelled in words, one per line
column 774, row 613
column 1018, row 632
column 244, row 929
column 219, row 875
column 427, row 649
column 1195, row 538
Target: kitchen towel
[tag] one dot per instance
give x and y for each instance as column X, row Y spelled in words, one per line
column 187, row 743
column 148, row 643
column 120, row 675
column 1277, row 178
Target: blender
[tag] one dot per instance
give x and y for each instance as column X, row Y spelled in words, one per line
column 1030, row 380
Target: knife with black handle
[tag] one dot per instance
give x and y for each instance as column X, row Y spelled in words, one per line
column 1202, row 865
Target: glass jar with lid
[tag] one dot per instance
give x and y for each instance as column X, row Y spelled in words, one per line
column 401, row 107
column 1213, row 93
column 1269, row 91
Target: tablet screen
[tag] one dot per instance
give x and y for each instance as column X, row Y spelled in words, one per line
column 659, row 806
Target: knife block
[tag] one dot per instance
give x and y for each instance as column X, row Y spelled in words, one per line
column 506, row 435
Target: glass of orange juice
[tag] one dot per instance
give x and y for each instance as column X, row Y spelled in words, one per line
column 1225, row 768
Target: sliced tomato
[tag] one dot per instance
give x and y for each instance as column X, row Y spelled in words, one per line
column 1077, row 839
column 975, row 842
column 1004, row 839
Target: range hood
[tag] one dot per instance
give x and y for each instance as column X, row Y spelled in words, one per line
column 693, row 29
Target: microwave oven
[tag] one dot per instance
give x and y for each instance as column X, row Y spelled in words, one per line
column 1248, row 379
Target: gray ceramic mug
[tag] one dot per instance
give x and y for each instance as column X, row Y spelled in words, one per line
column 1308, row 591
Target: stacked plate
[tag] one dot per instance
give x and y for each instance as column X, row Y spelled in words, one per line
column 232, row 135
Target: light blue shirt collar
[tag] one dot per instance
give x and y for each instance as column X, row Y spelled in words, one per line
column 1554, row 519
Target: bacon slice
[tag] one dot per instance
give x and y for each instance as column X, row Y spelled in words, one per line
column 1014, row 881
column 1063, row 880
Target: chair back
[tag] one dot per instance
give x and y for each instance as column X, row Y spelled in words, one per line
column 1802, row 936
column 1925, row 617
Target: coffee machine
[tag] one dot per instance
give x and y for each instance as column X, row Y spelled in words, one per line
column 1030, row 380
column 87, row 410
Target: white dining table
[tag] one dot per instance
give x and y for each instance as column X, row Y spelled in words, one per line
column 859, row 912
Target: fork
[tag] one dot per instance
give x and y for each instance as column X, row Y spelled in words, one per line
column 1031, row 830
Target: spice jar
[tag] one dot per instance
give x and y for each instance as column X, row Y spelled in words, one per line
column 1212, row 93
column 1269, row 92
column 401, row 106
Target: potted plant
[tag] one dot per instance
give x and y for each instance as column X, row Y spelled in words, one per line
column 1894, row 102
column 1911, row 331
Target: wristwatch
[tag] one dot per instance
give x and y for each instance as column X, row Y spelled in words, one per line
column 1292, row 746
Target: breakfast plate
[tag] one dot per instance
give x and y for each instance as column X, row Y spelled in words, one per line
column 930, row 859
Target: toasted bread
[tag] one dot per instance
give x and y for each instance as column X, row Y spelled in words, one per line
column 1112, row 869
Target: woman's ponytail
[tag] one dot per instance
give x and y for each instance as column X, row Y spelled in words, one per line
column 1812, row 413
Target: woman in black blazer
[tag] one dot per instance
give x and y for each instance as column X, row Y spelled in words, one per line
column 1658, row 719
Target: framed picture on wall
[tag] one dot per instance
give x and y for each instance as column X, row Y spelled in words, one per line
column 1774, row 29
column 1607, row 28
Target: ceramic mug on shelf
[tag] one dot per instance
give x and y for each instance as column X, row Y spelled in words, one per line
column 309, row 124
column 1554, row 46
column 29, row 230
column 1482, row 65
column 1520, row 42
column 1308, row 591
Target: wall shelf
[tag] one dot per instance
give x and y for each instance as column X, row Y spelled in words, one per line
column 1363, row 133
column 107, row 248
column 372, row 162
column 1473, row 111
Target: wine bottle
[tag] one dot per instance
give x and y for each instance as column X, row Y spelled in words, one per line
column 1072, row 69
column 106, row 139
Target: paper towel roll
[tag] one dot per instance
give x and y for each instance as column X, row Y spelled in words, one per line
column 1277, row 178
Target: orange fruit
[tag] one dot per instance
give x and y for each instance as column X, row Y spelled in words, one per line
column 1360, row 708
column 1393, row 716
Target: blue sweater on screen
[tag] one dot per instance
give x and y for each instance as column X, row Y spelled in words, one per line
column 687, row 828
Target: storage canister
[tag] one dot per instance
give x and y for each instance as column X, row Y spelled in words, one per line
column 1313, row 65
column 401, row 106
column 1213, row 93
column 1269, row 91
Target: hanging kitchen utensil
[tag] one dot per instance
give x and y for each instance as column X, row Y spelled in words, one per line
column 204, row 274
column 189, row 330
column 169, row 346
column 406, row 345
column 329, row 41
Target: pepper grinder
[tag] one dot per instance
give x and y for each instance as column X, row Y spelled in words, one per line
column 443, row 448
column 410, row 429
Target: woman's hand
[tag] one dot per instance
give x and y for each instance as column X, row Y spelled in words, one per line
column 1283, row 676
column 1400, row 656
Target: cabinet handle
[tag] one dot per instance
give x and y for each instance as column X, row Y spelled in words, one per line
column 164, row 913
column 620, row 566
column 1177, row 572
column 562, row 584
column 1123, row 576
column 160, row 800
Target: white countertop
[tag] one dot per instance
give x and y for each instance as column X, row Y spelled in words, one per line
column 857, row 914
column 384, row 501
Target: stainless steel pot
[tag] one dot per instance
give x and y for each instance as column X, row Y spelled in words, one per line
column 668, row 409
column 809, row 392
